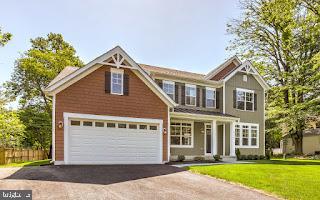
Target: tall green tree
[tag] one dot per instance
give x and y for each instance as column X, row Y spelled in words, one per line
column 282, row 38
column 33, row 71
column 4, row 38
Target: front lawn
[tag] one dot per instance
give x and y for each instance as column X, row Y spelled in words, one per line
column 28, row 163
column 290, row 179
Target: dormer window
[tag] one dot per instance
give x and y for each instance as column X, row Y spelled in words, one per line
column 117, row 81
column 210, row 97
column 168, row 88
column 191, row 95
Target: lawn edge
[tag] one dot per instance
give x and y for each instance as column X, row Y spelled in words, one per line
column 241, row 185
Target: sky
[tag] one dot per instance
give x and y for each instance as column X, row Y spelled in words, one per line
column 181, row 34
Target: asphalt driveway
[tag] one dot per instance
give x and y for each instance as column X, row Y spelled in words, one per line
column 120, row 182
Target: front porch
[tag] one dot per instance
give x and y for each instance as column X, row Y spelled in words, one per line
column 201, row 136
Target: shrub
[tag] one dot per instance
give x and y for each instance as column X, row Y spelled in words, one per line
column 217, row 158
column 255, row 157
column 250, row 157
column 238, row 154
column 198, row 158
column 268, row 154
column 181, row 158
column 243, row 157
column 261, row 157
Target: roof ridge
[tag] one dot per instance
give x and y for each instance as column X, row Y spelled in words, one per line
column 161, row 67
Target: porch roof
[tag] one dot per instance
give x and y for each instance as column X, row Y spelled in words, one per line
column 201, row 112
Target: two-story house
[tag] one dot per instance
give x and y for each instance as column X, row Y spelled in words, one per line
column 116, row 111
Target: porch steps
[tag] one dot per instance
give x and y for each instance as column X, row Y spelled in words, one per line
column 229, row 159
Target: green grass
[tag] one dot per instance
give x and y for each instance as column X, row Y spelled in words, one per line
column 289, row 179
column 29, row 163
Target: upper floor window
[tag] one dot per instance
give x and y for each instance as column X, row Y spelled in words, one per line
column 245, row 99
column 190, row 95
column 210, row 97
column 168, row 88
column 246, row 135
column 116, row 81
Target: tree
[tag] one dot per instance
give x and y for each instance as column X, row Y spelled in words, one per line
column 33, row 71
column 282, row 37
column 4, row 38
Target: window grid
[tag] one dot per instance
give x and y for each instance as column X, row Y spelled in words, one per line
column 117, row 83
column 181, row 134
column 210, row 98
column 168, row 88
column 245, row 100
column 191, row 94
column 246, row 135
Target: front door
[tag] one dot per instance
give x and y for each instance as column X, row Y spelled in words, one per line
column 207, row 139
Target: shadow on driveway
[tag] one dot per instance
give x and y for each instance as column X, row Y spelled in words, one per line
column 93, row 174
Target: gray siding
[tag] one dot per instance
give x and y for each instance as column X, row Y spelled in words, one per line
column 247, row 116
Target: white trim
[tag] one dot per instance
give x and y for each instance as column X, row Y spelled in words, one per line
column 116, row 71
column 264, row 124
column 53, row 150
column 224, row 98
column 224, row 140
column 205, row 139
column 245, row 99
column 232, row 139
column 256, row 75
column 192, row 134
column 249, row 146
column 185, row 92
column 214, row 137
column 168, row 135
column 216, row 70
column 58, row 162
column 93, row 65
column 67, row 116
column 203, row 117
column 215, row 97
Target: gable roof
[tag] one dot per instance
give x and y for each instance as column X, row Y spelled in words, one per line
column 65, row 72
column 220, row 72
column 73, row 76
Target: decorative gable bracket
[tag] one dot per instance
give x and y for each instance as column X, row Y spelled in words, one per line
column 117, row 60
column 248, row 68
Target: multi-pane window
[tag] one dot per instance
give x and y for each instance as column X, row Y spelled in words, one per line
column 116, row 82
column 190, row 95
column 245, row 99
column 246, row 135
column 210, row 98
column 168, row 88
column 181, row 134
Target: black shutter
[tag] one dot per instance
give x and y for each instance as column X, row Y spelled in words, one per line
column 204, row 97
column 198, row 96
column 108, row 82
column 176, row 92
column 183, row 95
column 234, row 98
column 255, row 101
column 126, row 84
column 217, row 99
column 159, row 82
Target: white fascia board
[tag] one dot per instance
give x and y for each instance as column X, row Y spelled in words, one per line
column 203, row 117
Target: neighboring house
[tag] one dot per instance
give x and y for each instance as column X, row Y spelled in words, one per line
column 115, row 111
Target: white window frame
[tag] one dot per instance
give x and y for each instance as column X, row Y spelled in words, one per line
column 192, row 134
column 241, row 124
column 116, row 71
column 169, row 83
column 195, row 96
column 245, row 99
column 214, row 95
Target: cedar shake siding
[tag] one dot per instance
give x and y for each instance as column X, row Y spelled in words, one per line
column 88, row 96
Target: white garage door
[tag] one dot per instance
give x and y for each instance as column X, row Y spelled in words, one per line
column 113, row 142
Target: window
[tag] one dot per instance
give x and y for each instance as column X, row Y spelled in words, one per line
column 116, row 81
column 244, row 99
column 122, row 125
column 181, row 134
column 75, row 123
column 210, row 98
column 191, row 95
column 143, row 127
column 99, row 124
column 245, row 78
column 111, row 125
column 168, row 88
column 87, row 123
column 133, row 126
column 153, row 127
column 246, row 135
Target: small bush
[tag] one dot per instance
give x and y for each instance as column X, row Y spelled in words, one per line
column 198, row 158
column 243, row 157
column 181, row 158
column 261, row 157
column 250, row 157
column 217, row 158
column 255, row 157
column 238, row 154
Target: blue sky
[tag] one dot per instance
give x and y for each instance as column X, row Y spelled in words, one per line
column 182, row 34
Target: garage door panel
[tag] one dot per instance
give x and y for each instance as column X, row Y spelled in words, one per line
column 103, row 145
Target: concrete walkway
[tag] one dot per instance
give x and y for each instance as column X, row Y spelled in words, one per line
column 181, row 165
column 121, row 182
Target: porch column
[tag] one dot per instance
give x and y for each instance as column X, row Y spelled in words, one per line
column 232, row 139
column 214, row 138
